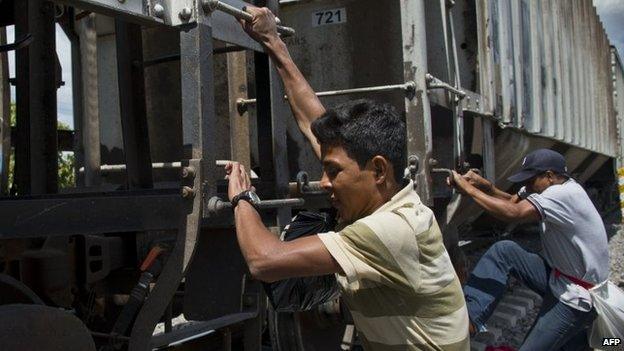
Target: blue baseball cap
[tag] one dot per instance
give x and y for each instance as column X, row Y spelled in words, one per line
column 540, row 161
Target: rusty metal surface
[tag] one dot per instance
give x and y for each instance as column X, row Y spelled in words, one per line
column 544, row 68
column 359, row 52
column 163, row 110
column 239, row 120
column 90, row 100
column 617, row 76
column 418, row 114
column 200, row 140
column 175, row 268
column 131, row 85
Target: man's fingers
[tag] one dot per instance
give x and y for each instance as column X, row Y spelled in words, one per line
column 235, row 168
column 254, row 11
column 455, row 176
column 476, row 171
column 245, row 175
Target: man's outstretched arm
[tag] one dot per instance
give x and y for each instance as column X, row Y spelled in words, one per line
column 268, row 258
column 476, row 180
column 503, row 208
column 304, row 103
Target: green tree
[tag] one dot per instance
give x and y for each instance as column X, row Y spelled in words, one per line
column 11, row 152
column 66, row 160
column 66, row 164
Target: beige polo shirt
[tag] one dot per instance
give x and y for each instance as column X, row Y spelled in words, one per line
column 398, row 281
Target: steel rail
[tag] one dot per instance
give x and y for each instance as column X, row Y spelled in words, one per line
column 407, row 86
column 155, row 165
column 216, row 204
column 212, row 5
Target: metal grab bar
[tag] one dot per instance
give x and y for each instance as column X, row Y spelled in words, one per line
column 306, row 187
column 18, row 44
column 103, row 169
column 216, row 204
column 212, row 5
column 435, row 83
column 409, row 86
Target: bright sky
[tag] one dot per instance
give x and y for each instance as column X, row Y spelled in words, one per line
column 611, row 14
column 64, row 94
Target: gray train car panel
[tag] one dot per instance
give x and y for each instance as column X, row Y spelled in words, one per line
column 549, row 72
column 617, row 76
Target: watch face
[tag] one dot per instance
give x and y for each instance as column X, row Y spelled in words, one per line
column 254, row 197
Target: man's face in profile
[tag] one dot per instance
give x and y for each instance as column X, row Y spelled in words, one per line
column 539, row 183
column 349, row 187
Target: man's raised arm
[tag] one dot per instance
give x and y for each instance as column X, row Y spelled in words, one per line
column 304, row 103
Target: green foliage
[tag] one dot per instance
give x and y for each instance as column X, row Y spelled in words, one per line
column 11, row 168
column 66, row 160
column 12, row 119
column 62, row 126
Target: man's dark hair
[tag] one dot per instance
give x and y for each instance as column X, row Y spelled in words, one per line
column 365, row 129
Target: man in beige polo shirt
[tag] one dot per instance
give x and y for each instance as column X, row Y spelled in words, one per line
column 389, row 258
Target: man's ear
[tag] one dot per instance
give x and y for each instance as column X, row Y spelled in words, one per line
column 381, row 167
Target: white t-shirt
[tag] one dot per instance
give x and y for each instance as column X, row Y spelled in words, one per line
column 574, row 241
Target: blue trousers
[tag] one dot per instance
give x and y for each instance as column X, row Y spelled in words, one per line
column 557, row 327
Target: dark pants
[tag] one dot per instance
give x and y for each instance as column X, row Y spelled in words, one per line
column 558, row 326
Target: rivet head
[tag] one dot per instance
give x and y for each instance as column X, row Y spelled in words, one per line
column 185, row 14
column 187, row 192
column 188, row 172
column 159, row 11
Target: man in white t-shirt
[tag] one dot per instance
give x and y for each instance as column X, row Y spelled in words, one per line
column 574, row 258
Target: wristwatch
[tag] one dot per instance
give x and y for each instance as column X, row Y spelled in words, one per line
column 248, row 196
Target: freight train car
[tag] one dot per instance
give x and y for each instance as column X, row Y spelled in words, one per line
column 141, row 252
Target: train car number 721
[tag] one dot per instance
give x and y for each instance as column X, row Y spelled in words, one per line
column 331, row 16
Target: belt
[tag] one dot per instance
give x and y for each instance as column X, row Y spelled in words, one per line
column 574, row 280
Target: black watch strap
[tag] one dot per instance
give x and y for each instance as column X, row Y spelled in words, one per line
column 244, row 196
